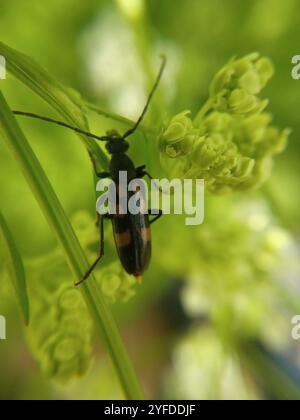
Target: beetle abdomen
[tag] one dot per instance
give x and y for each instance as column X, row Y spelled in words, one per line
column 133, row 241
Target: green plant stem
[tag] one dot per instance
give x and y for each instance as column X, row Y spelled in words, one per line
column 203, row 111
column 53, row 211
column 16, row 268
column 110, row 115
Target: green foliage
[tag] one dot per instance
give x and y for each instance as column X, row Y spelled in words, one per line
column 239, row 269
column 16, row 269
column 53, row 211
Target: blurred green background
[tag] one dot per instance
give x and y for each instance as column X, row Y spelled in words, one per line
column 212, row 318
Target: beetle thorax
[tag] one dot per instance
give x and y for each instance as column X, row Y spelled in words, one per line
column 122, row 163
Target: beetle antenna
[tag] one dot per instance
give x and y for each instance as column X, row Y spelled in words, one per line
column 62, row 124
column 155, row 86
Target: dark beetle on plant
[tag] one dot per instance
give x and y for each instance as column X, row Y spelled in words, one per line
column 132, row 232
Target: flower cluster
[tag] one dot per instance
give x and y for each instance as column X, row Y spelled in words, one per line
column 60, row 331
column 232, row 142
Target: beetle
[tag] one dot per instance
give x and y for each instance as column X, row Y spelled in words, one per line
column 132, row 232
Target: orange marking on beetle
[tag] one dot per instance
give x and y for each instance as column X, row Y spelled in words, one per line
column 123, row 239
column 146, row 234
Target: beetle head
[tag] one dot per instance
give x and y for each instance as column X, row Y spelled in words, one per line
column 117, row 144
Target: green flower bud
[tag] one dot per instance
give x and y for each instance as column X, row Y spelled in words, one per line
column 173, row 151
column 244, row 64
column 235, row 87
column 254, row 127
column 250, row 81
column 205, row 153
column 244, row 167
column 274, row 142
column 218, row 122
column 214, row 153
column 258, row 139
column 85, row 227
column 222, row 80
column 265, row 70
column 241, row 102
column 179, row 127
column 115, row 283
column 179, row 137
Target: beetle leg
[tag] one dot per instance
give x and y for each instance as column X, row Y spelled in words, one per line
column 98, row 220
column 91, row 269
column 140, row 171
column 158, row 216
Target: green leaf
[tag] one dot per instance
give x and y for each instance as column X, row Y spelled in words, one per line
column 64, row 100
column 16, row 268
